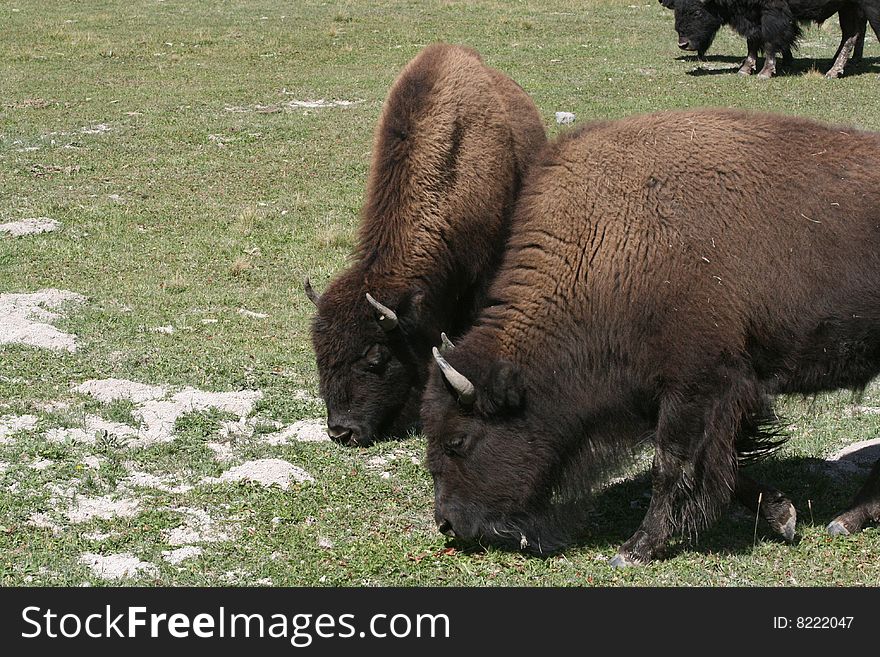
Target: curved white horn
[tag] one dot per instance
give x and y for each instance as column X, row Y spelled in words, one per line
column 447, row 343
column 459, row 382
column 387, row 317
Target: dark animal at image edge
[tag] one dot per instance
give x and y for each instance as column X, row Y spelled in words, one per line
column 773, row 26
column 452, row 144
column 646, row 296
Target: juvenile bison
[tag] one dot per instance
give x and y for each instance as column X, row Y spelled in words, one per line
column 773, row 26
column 645, row 294
column 451, row 146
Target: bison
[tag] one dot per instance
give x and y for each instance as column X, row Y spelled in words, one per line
column 453, row 142
column 656, row 289
column 773, row 26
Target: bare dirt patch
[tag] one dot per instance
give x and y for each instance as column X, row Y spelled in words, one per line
column 266, row 472
column 26, row 319
column 158, row 414
column 118, row 566
column 33, row 226
column 12, row 424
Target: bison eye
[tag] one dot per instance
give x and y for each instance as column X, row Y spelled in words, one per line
column 376, row 357
column 453, row 446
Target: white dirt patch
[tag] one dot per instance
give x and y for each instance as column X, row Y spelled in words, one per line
column 157, row 414
column 43, row 521
column 175, row 557
column 109, row 390
column 118, row 566
column 856, row 458
column 320, row 103
column 304, row 431
column 4, row 466
column 223, row 452
column 266, row 472
column 106, row 507
column 26, row 319
column 32, row 226
column 199, row 527
column 41, row 464
column 98, row 129
column 93, row 426
column 166, row 483
column 12, row 424
column 244, row 312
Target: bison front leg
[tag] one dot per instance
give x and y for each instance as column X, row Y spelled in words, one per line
column 769, row 69
column 694, row 472
column 865, row 508
column 751, row 61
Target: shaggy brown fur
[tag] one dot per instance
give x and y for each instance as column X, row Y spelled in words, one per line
column 453, row 142
column 656, row 284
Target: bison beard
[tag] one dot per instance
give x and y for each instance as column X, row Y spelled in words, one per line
column 453, row 142
column 667, row 301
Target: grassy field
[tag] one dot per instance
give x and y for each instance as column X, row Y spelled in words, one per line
column 196, row 188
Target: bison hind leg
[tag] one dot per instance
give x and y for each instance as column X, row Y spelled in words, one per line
column 864, row 509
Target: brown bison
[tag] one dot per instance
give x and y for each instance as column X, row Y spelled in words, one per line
column 452, row 144
column 656, row 287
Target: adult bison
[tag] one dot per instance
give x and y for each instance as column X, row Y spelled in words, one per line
column 655, row 286
column 452, row 144
column 773, row 26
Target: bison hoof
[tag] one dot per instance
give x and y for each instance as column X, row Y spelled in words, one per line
column 837, row 528
column 622, row 561
column 784, row 524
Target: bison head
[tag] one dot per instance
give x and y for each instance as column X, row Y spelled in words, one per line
column 370, row 373
column 493, row 461
column 696, row 24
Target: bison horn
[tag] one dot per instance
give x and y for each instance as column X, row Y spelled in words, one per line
column 310, row 293
column 447, row 343
column 387, row 317
column 458, row 381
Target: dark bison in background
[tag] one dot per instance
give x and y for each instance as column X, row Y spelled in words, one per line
column 453, row 141
column 773, row 26
column 648, row 295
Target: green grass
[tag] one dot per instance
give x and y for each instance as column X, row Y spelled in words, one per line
column 207, row 194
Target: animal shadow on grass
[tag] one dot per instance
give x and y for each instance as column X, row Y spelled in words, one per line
column 819, row 490
column 798, row 66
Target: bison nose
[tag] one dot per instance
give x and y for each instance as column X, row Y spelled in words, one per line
column 684, row 44
column 339, row 433
column 445, row 527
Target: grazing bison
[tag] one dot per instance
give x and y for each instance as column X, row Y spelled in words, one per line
column 452, row 144
column 654, row 287
column 773, row 26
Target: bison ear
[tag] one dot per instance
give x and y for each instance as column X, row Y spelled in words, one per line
column 504, row 391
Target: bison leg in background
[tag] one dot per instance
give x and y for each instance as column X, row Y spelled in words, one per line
column 769, row 69
column 775, row 507
column 852, row 30
column 865, row 508
column 751, row 61
column 694, row 473
column 779, row 31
